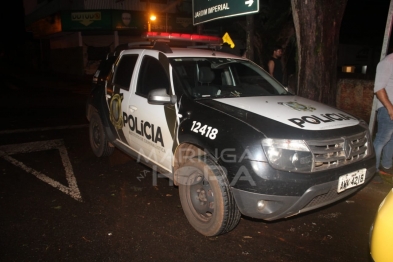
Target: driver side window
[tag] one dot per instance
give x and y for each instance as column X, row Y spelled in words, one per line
column 151, row 76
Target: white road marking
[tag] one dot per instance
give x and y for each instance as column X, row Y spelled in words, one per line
column 72, row 189
column 4, row 132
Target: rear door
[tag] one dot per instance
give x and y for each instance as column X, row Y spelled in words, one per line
column 118, row 92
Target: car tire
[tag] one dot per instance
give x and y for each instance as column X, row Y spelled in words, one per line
column 98, row 140
column 206, row 198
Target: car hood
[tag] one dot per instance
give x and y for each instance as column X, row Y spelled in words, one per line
column 294, row 111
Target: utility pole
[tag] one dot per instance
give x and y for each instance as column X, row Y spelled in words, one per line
column 250, row 37
column 148, row 16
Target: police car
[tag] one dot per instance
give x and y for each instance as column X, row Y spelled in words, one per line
column 232, row 138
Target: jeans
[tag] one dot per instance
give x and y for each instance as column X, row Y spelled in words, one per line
column 383, row 143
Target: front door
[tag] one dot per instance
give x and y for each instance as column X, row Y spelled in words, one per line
column 152, row 127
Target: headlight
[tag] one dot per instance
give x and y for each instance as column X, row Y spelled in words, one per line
column 289, row 155
column 363, row 124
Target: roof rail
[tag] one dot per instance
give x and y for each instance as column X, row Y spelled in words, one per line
column 214, row 47
column 132, row 44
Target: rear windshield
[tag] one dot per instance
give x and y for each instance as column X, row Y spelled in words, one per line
column 220, row 78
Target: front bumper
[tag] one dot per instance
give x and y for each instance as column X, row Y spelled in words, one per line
column 272, row 207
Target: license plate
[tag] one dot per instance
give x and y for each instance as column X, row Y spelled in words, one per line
column 351, row 180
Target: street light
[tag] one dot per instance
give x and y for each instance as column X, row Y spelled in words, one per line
column 151, row 18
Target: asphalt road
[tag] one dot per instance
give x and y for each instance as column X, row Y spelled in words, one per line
column 58, row 202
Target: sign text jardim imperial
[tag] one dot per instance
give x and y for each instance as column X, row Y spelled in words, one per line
column 207, row 10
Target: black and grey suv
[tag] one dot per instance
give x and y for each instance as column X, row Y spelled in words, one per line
column 230, row 136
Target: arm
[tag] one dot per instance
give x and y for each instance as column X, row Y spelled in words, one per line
column 383, row 97
column 271, row 67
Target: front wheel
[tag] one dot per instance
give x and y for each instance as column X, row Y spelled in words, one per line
column 98, row 141
column 206, row 198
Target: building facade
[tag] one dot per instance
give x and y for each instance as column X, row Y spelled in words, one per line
column 74, row 35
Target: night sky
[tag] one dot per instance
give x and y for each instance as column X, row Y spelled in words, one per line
column 363, row 23
column 12, row 26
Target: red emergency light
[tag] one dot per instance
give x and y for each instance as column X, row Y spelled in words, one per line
column 183, row 37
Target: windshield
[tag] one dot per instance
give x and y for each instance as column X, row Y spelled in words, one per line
column 222, row 77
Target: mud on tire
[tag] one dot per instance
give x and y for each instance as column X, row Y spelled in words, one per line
column 206, row 198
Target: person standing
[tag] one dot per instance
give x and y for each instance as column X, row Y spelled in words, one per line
column 275, row 65
column 383, row 142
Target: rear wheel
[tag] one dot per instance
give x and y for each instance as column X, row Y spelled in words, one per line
column 206, row 198
column 98, row 141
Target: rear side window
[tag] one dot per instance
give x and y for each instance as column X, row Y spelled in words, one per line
column 124, row 71
column 151, row 76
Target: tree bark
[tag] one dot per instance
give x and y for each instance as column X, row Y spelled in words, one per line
column 317, row 25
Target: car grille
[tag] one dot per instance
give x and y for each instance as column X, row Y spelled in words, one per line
column 332, row 153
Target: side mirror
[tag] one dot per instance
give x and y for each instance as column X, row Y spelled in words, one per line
column 160, row 97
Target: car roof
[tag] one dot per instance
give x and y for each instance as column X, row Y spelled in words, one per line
column 191, row 52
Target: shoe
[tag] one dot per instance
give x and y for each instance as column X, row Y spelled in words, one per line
column 386, row 171
column 377, row 179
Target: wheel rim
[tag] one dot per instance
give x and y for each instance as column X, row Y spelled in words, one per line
column 201, row 196
column 96, row 135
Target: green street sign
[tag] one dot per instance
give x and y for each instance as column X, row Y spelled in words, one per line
column 208, row 10
column 122, row 20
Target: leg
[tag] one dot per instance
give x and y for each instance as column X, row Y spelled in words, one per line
column 383, row 140
column 387, row 153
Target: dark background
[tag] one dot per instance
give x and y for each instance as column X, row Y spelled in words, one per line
column 363, row 23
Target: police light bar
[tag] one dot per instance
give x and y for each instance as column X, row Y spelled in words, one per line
column 182, row 37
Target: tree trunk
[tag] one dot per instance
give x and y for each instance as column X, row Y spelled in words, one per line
column 317, row 25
